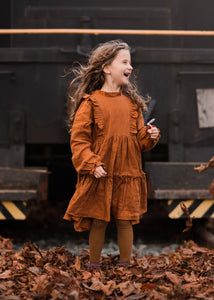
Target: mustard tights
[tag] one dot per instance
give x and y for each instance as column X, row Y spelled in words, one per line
column 124, row 239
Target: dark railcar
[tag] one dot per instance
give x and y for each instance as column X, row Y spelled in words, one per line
column 177, row 71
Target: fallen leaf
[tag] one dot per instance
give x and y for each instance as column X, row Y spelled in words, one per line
column 109, row 287
column 6, row 274
column 9, row 298
column 173, row 278
column 35, row 270
column 86, row 275
column 77, row 265
column 211, row 188
column 147, row 286
column 203, row 168
column 190, row 278
column 126, row 288
column 164, row 289
column 5, row 243
column 189, row 219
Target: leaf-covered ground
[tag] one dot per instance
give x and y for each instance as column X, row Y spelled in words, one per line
column 187, row 273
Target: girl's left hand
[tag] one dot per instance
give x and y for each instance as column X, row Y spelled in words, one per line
column 153, row 131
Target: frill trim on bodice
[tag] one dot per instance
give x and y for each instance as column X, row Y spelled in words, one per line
column 97, row 111
column 98, row 116
column 133, row 118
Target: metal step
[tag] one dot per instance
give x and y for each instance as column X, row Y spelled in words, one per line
column 18, row 188
column 23, row 183
column 177, row 180
column 182, row 194
column 18, row 195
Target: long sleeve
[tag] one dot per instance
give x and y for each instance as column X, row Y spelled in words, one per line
column 145, row 141
column 84, row 160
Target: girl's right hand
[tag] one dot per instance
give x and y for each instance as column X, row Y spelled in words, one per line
column 99, row 172
column 153, row 131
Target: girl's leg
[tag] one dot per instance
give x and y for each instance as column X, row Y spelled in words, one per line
column 125, row 239
column 96, row 239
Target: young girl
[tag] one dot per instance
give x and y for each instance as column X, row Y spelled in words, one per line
column 107, row 137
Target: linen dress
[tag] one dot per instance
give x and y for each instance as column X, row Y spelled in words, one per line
column 108, row 130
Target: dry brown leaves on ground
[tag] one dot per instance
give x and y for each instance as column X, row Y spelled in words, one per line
column 187, row 273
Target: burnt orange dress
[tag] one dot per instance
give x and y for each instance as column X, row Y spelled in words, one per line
column 108, row 130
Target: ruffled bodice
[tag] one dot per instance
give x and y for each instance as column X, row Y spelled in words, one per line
column 108, row 130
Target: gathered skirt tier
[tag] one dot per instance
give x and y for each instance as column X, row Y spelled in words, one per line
column 122, row 194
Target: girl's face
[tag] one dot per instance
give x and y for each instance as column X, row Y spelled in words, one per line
column 118, row 72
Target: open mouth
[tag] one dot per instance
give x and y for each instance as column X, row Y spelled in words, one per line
column 127, row 74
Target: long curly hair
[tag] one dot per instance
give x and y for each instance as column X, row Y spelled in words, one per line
column 91, row 77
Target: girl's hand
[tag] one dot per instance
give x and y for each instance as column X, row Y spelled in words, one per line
column 99, row 172
column 153, row 131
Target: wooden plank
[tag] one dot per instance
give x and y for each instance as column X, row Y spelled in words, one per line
column 181, row 194
column 18, row 195
column 23, row 178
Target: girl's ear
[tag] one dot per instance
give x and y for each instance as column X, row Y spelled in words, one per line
column 106, row 69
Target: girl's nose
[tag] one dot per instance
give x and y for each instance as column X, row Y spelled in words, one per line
column 130, row 67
